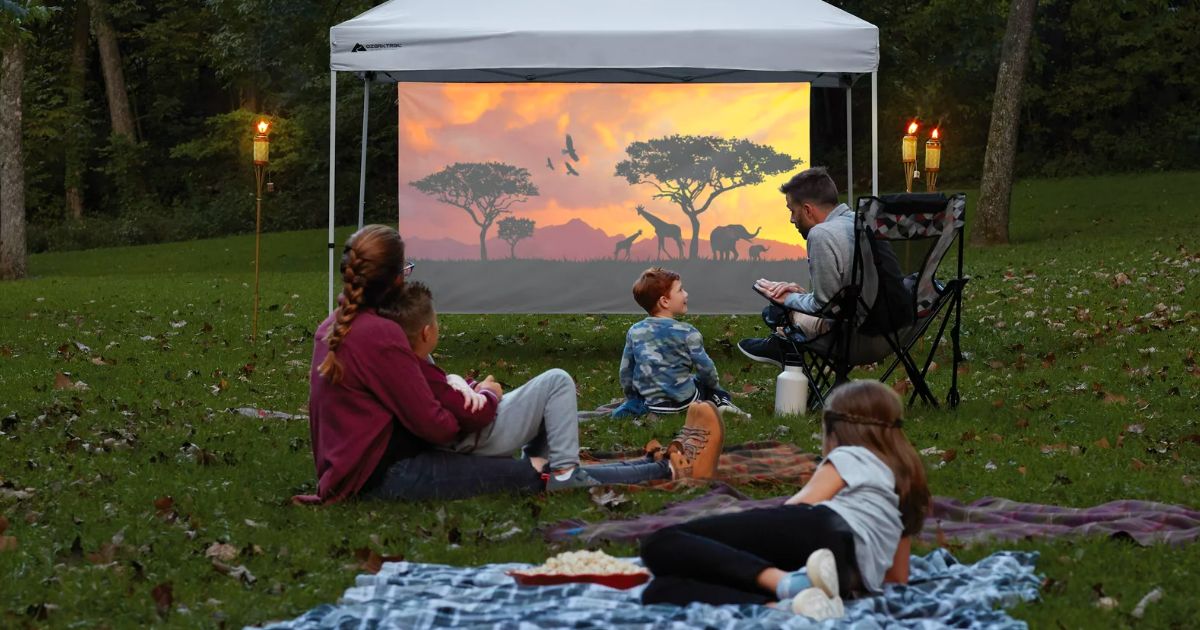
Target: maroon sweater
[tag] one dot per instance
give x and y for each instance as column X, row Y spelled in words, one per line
column 383, row 408
column 452, row 399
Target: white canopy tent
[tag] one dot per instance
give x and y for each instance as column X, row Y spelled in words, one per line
column 613, row 41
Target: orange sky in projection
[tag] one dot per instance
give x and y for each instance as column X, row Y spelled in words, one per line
column 523, row 124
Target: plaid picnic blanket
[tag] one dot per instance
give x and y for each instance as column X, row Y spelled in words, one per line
column 752, row 463
column 950, row 521
column 941, row 593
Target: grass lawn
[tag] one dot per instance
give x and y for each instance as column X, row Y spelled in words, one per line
column 121, row 464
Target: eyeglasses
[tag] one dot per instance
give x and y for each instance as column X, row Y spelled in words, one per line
column 408, row 269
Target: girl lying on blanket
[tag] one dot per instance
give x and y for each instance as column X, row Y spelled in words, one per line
column 848, row 530
column 384, row 421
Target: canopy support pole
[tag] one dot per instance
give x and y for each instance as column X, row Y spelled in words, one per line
column 332, row 171
column 849, row 153
column 875, row 134
column 362, row 167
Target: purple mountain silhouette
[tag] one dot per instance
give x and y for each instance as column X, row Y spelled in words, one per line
column 576, row 240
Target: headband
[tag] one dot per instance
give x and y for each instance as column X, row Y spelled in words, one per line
column 837, row 416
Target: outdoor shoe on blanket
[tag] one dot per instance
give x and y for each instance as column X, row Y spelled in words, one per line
column 699, row 442
column 822, row 572
column 578, row 479
column 727, row 409
column 815, row 604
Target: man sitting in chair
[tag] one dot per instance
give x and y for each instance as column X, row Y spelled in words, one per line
column 828, row 227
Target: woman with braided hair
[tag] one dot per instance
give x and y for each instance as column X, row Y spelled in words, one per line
column 848, row 530
column 376, row 425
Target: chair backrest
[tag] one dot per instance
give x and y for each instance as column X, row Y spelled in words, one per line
column 913, row 217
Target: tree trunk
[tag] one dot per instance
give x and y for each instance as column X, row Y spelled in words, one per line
column 694, row 249
column 483, row 241
column 512, row 250
column 76, row 123
column 114, row 76
column 995, row 190
column 12, row 162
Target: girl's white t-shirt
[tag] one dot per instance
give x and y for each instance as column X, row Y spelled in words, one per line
column 871, row 508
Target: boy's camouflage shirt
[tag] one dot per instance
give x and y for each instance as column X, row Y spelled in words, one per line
column 660, row 356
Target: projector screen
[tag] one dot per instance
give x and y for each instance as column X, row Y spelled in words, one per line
column 552, row 198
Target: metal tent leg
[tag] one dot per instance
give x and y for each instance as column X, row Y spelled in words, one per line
column 362, row 167
column 875, row 134
column 849, row 152
column 332, row 170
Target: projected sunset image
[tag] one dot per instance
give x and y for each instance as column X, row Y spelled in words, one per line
column 585, row 172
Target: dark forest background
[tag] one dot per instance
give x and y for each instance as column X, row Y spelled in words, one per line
column 1112, row 87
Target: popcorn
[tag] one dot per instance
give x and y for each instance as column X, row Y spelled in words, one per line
column 585, row 563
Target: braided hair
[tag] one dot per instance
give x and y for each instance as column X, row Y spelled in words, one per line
column 372, row 262
column 869, row 414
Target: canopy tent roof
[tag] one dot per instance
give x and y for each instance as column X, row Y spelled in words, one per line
column 610, row 41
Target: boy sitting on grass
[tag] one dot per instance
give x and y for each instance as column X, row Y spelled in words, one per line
column 474, row 404
column 664, row 367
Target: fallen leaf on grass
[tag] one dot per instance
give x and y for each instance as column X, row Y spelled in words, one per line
column 749, row 388
column 1120, row 280
column 164, row 596
column 1153, row 596
column 949, row 456
column 224, row 552
column 239, row 572
column 1138, row 464
column 8, row 543
column 607, row 497
column 105, row 555
column 62, row 381
column 1103, row 443
column 371, row 561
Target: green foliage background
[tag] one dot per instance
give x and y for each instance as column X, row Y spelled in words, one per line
column 1110, row 90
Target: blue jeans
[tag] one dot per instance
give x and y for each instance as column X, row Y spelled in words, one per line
column 444, row 475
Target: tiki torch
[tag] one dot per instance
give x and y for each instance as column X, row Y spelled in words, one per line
column 933, row 161
column 908, row 154
column 262, row 152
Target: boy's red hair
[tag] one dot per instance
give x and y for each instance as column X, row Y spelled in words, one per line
column 654, row 283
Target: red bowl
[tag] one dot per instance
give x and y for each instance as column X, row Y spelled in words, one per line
column 614, row 580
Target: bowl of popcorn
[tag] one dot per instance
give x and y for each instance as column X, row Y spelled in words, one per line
column 583, row 566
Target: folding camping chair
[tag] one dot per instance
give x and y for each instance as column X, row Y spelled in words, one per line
column 863, row 329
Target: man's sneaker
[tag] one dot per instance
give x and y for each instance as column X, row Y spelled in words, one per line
column 578, row 479
column 815, row 604
column 697, row 449
column 822, row 572
column 763, row 350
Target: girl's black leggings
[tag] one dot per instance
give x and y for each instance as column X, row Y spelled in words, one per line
column 717, row 559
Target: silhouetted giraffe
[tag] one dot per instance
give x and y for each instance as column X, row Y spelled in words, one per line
column 663, row 231
column 625, row 244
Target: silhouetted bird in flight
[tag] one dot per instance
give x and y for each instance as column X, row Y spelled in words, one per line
column 549, row 164
column 570, row 150
column 570, row 171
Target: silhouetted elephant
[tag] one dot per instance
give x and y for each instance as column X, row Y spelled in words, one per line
column 756, row 251
column 724, row 240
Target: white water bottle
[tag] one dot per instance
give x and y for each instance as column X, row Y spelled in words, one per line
column 791, row 391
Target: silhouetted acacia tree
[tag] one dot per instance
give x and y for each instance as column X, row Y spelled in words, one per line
column 484, row 189
column 513, row 230
column 692, row 171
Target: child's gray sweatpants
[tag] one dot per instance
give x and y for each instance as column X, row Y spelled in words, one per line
column 541, row 417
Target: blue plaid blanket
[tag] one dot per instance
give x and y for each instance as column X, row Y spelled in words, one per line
column 942, row 593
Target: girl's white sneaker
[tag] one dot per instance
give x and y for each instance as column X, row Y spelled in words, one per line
column 822, row 572
column 815, row 604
